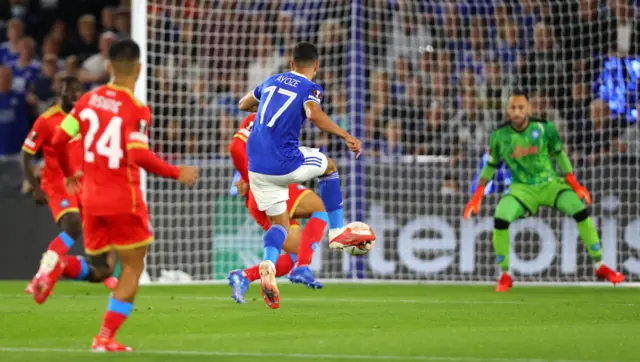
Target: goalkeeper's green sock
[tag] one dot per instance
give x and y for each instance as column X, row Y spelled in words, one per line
column 591, row 240
column 501, row 248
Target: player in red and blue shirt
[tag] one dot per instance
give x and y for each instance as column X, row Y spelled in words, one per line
column 283, row 102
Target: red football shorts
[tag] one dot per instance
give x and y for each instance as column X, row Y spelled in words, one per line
column 61, row 203
column 296, row 194
column 120, row 232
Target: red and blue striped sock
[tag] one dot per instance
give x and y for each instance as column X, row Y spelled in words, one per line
column 117, row 312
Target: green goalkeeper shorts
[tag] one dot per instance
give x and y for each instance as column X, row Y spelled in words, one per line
column 534, row 196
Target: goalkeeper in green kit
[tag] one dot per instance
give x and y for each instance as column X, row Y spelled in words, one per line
column 527, row 146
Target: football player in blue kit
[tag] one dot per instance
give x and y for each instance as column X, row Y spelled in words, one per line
column 283, row 102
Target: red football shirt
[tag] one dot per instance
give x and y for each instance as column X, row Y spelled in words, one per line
column 40, row 136
column 238, row 147
column 112, row 121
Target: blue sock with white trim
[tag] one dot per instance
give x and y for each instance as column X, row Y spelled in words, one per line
column 331, row 195
column 273, row 240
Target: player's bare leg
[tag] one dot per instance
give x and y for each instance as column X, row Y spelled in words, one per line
column 121, row 302
column 273, row 241
column 239, row 280
column 312, row 208
column 331, row 194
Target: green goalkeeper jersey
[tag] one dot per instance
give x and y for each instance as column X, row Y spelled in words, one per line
column 527, row 153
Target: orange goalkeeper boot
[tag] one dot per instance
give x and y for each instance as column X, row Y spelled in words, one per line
column 504, row 283
column 606, row 273
column 101, row 344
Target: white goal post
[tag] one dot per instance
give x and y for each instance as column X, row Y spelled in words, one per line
column 422, row 83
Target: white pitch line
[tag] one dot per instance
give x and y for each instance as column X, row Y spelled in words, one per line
column 336, row 300
column 297, row 355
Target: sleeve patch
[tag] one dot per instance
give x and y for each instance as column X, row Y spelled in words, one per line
column 317, row 94
column 30, row 141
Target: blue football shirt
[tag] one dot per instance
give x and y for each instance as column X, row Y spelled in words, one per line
column 7, row 56
column 24, row 77
column 273, row 144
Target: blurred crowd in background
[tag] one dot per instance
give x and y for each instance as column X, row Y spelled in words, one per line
column 437, row 73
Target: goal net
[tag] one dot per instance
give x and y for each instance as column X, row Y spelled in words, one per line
column 422, row 83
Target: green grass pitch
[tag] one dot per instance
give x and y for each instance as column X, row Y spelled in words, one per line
column 445, row 323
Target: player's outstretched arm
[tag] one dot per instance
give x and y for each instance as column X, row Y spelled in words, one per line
column 487, row 173
column 567, row 170
column 316, row 115
column 26, row 162
column 149, row 161
column 556, row 148
column 249, row 103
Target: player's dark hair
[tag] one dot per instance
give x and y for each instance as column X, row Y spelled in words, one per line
column 125, row 50
column 304, row 53
column 520, row 93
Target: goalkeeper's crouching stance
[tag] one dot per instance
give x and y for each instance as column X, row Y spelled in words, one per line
column 527, row 145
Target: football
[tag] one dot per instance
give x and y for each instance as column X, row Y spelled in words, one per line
column 363, row 248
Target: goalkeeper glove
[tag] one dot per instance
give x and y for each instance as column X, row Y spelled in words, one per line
column 474, row 205
column 580, row 190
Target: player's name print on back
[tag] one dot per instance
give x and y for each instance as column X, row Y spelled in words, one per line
column 104, row 103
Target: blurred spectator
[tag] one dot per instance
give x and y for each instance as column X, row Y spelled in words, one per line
column 391, row 146
column 14, row 124
column 26, row 69
column 94, row 69
column 629, row 142
column 411, row 34
column 9, row 49
column 411, row 115
column 436, row 133
column 43, row 85
column 543, row 69
column 71, row 66
column 266, row 62
column 332, row 47
column 471, row 125
column 509, row 46
column 122, row 22
column 602, row 131
column 494, row 90
column 107, row 19
column 590, row 32
column 86, row 42
column 51, row 47
column 58, row 33
column 379, row 102
column 401, row 78
column 377, row 27
column 625, row 31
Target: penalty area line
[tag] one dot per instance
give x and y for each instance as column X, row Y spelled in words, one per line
column 342, row 357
